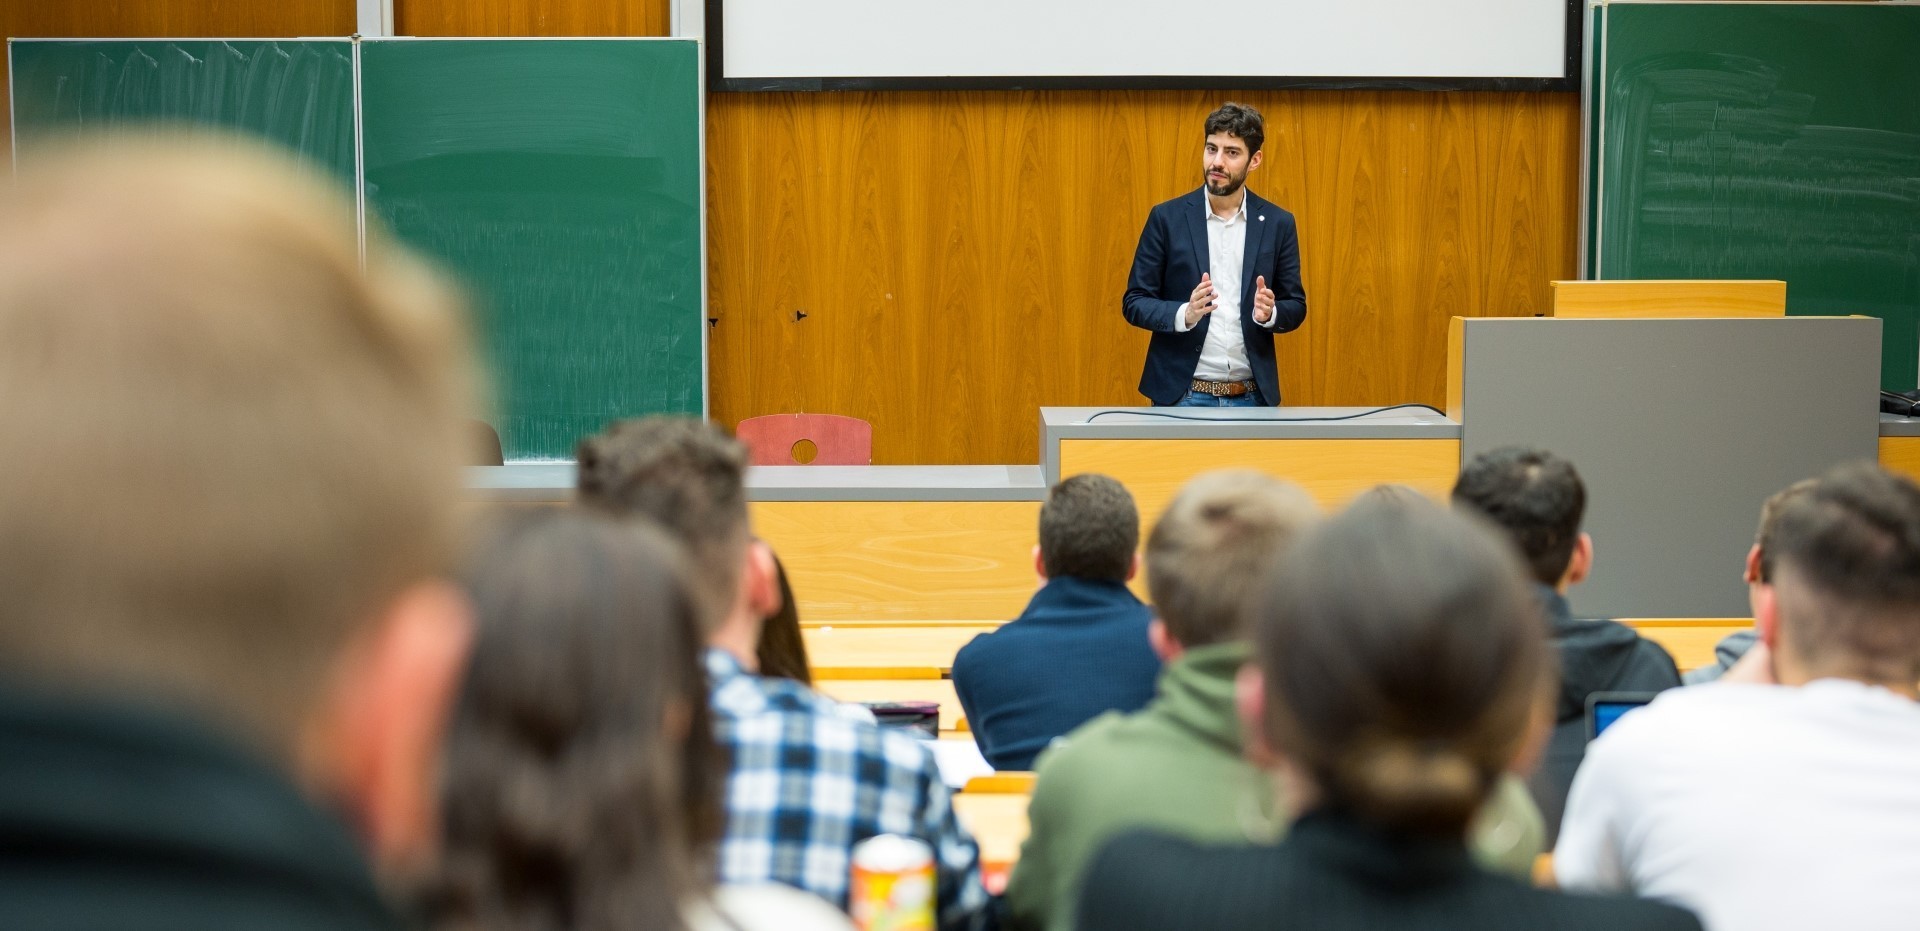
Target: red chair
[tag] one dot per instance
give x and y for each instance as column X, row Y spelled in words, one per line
column 784, row 439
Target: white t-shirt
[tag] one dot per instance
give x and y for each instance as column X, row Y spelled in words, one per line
column 1758, row 807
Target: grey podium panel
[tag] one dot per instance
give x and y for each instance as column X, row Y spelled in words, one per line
column 1680, row 429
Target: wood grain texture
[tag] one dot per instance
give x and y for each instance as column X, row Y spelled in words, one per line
column 533, row 17
column 960, row 256
column 1332, row 471
column 874, row 561
column 1901, row 454
column 855, row 651
column 1456, row 369
column 162, row 19
column 1650, row 298
column 1689, row 640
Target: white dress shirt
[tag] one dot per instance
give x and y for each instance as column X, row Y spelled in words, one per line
column 1224, row 357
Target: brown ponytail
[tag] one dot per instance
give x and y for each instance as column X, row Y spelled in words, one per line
column 1424, row 789
column 1402, row 652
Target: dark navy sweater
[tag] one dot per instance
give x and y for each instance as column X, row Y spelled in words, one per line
column 1079, row 650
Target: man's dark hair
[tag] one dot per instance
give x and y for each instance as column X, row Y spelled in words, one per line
column 687, row 476
column 1535, row 496
column 1089, row 529
column 1769, row 516
column 1238, row 119
column 1846, row 561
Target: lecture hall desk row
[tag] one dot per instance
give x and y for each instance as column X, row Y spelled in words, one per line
column 897, row 567
column 868, row 663
column 888, row 545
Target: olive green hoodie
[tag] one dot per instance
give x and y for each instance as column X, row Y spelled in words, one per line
column 1176, row 767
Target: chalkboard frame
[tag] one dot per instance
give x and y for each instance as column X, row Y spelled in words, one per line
column 1569, row 80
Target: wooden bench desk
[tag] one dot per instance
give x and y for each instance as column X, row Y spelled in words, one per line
column 938, row 691
column 998, row 821
column 887, row 652
column 1689, row 639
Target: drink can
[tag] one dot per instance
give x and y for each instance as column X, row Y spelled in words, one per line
column 892, row 884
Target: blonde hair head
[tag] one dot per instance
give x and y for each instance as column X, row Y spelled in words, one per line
column 228, row 443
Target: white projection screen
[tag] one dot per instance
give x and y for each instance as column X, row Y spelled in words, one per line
column 1064, row 44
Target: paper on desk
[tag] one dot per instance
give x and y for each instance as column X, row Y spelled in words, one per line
column 959, row 761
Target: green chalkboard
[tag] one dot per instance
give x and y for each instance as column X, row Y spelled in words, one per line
column 1770, row 140
column 562, row 180
column 297, row 93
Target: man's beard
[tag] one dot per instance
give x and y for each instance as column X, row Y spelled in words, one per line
column 1225, row 188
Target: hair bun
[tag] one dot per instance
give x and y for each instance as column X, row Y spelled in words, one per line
column 1403, row 785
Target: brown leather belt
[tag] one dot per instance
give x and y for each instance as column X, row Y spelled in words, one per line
column 1222, row 389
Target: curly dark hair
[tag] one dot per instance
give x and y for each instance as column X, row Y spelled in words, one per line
column 1533, row 495
column 581, row 781
column 1240, row 120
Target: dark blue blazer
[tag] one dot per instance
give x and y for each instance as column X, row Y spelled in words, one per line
column 1168, row 263
column 1078, row 651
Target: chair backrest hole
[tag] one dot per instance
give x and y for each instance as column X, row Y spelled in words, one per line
column 804, row 451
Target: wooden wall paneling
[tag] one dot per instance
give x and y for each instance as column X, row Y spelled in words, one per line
column 533, row 17
column 177, row 19
column 170, row 19
column 960, row 256
column 944, row 276
column 890, row 561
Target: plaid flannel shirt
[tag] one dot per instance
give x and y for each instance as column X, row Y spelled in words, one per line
column 808, row 781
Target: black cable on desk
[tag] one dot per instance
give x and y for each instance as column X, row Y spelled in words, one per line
column 1378, row 410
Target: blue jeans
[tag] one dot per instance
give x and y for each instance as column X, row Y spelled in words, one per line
column 1197, row 399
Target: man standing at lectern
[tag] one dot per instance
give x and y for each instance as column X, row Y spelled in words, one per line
column 1218, row 248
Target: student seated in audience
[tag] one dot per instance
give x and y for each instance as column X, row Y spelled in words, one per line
column 1178, row 766
column 782, row 651
column 1080, row 648
column 1539, row 500
column 807, row 780
column 228, row 642
column 1759, row 574
column 1787, row 795
column 1398, row 670
column 581, row 783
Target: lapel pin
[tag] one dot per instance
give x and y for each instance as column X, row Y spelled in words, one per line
column 1263, row 218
